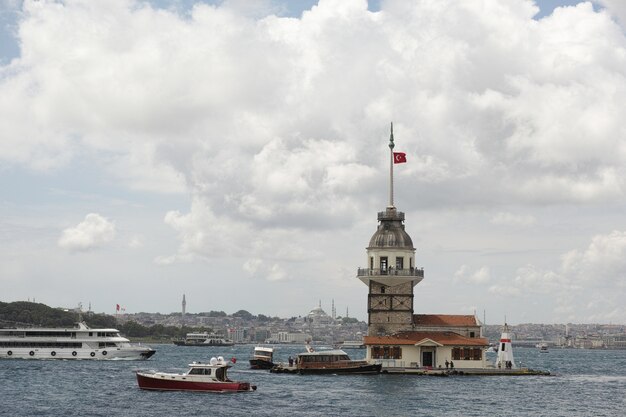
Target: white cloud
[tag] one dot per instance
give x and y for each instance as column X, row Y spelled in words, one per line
column 616, row 7
column 95, row 231
column 504, row 291
column 602, row 264
column 589, row 286
column 480, row 276
column 505, row 218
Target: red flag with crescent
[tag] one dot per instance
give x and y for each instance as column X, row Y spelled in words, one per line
column 399, row 157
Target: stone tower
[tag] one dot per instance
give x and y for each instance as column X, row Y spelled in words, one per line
column 391, row 274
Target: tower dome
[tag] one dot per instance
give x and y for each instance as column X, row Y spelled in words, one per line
column 390, row 232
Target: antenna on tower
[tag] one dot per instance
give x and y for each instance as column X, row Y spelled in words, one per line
column 391, row 146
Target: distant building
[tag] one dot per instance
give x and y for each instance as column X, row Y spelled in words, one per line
column 397, row 336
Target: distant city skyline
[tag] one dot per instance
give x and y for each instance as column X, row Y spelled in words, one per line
column 236, row 152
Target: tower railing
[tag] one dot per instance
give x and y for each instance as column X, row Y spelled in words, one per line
column 410, row 272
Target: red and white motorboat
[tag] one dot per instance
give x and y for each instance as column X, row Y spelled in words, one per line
column 200, row 377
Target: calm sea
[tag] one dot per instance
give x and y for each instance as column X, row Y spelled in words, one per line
column 587, row 383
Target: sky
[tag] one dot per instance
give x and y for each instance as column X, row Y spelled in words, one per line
column 236, row 152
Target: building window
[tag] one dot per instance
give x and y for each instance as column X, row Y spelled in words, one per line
column 467, row 354
column 386, row 352
column 472, row 334
column 456, row 354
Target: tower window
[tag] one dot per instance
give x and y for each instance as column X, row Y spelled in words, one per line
column 399, row 263
column 382, row 289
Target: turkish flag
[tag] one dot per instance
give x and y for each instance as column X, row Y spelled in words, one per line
column 117, row 307
column 399, row 157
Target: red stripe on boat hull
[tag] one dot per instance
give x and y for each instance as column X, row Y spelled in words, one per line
column 162, row 384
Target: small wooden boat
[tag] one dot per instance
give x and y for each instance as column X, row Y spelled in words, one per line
column 262, row 358
column 200, row 377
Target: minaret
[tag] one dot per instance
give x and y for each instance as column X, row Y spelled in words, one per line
column 391, row 273
column 184, row 305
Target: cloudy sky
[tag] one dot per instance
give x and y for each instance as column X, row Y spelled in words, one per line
column 236, row 152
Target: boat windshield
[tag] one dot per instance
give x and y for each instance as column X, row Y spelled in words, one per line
column 200, row 371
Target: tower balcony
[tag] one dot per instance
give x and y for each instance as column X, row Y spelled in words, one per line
column 391, row 276
column 409, row 272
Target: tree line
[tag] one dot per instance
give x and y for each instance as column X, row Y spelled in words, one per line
column 27, row 314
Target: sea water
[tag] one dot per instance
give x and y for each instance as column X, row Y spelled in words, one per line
column 585, row 383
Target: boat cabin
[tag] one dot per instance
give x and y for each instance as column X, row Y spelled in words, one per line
column 327, row 359
column 263, row 353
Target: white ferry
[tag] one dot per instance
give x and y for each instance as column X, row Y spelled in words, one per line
column 203, row 339
column 79, row 342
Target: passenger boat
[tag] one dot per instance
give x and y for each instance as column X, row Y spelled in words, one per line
column 353, row 344
column 332, row 362
column 79, row 342
column 262, row 358
column 200, row 377
column 543, row 347
column 203, row 339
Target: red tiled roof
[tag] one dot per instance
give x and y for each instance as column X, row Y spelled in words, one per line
column 444, row 320
column 412, row 338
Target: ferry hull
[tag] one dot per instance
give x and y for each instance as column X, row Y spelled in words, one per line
column 184, row 343
column 158, row 383
column 352, row 370
column 261, row 364
column 83, row 354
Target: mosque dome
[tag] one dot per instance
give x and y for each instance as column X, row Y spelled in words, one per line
column 390, row 232
column 319, row 316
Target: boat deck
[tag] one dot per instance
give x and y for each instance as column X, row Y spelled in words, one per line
column 283, row 368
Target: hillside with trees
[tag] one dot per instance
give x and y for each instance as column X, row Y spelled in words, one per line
column 27, row 314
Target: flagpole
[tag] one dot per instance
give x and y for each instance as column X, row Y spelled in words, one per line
column 391, row 146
